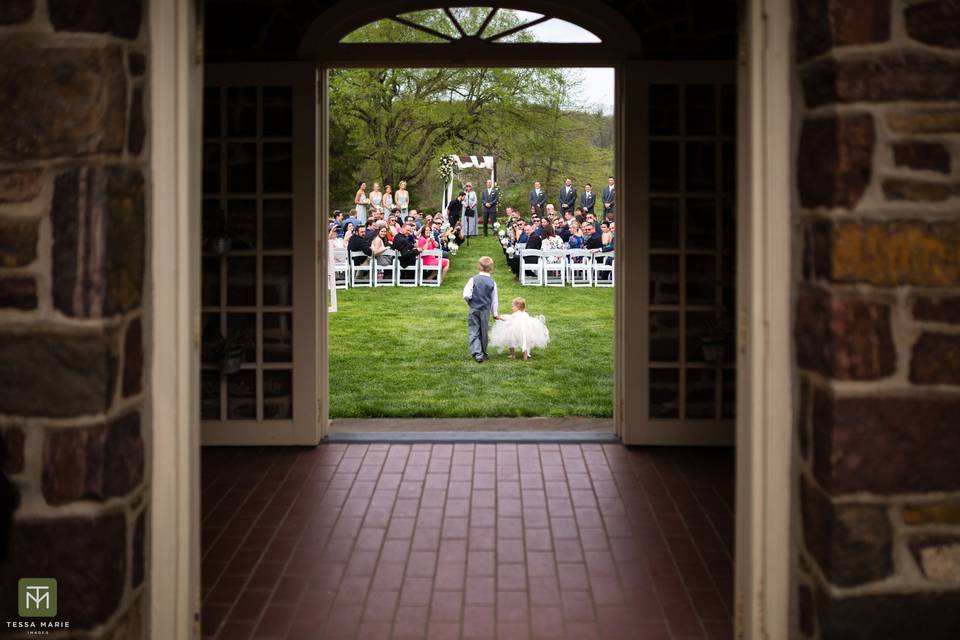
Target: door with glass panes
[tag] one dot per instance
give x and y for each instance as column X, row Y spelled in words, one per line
column 258, row 288
column 690, row 245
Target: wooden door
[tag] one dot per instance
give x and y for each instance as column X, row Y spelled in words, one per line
column 688, row 240
column 259, row 196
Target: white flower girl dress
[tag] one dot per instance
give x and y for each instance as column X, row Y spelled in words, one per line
column 520, row 331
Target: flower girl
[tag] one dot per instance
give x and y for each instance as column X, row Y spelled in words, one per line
column 519, row 330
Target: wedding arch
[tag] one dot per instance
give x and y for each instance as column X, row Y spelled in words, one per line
column 451, row 166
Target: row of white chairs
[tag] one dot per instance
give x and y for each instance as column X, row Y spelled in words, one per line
column 389, row 274
column 557, row 267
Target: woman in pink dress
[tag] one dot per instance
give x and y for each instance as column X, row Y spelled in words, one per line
column 425, row 242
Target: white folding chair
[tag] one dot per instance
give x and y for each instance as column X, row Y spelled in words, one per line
column 554, row 268
column 531, row 273
column 428, row 268
column 579, row 269
column 408, row 276
column 366, row 268
column 600, row 266
column 341, row 268
column 389, row 269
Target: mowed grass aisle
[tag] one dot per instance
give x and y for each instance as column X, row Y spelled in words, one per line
column 402, row 352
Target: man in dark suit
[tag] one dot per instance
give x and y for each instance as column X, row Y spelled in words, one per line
column 405, row 244
column 538, row 197
column 534, row 241
column 593, row 236
column 568, row 196
column 490, row 200
column 359, row 243
column 609, row 197
column 588, row 199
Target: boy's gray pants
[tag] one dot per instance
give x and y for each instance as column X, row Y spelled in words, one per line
column 478, row 322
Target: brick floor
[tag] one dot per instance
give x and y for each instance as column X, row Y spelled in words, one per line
column 510, row 541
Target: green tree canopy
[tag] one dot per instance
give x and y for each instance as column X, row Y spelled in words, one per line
column 389, row 125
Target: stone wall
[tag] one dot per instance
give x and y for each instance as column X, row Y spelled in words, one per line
column 877, row 319
column 73, row 194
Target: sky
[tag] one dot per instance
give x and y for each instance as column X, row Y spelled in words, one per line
column 597, row 82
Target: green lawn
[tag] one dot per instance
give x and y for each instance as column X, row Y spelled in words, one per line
column 402, row 352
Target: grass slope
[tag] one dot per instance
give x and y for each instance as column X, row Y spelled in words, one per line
column 399, row 352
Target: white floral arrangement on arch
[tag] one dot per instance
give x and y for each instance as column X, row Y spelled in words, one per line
column 447, row 165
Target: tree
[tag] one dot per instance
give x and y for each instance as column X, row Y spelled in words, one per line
column 403, row 120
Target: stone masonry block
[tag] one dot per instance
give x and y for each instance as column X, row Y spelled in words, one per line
column 843, row 338
column 885, row 445
column 835, row 158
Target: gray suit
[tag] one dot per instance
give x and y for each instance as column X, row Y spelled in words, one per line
column 480, row 294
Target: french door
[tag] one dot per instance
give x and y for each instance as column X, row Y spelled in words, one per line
column 259, row 265
column 688, row 230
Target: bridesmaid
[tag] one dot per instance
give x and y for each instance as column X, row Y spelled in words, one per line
column 387, row 200
column 403, row 198
column 376, row 198
column 361, row 200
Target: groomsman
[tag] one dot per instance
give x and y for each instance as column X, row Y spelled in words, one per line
column 469, row 211
column 490, row 202
column 568, row 196
column 537, row 197
column 588, row 198
column 609, row 197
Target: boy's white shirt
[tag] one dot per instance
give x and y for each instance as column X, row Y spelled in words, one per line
column 468, row 292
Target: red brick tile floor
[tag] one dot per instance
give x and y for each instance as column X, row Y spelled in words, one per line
column 507, row 541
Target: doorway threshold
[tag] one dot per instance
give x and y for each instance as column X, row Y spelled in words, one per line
column 579, row 424
column 473, row 437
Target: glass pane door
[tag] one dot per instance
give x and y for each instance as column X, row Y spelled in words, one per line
column 692, row 252
column 250, row 288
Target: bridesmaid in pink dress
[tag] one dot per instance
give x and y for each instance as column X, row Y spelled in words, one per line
column 425, row 242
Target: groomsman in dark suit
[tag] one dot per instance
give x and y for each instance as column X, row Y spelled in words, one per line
column 490, row 200
column 588, row 199
column 537, row 197
column 609, row 198
column 568, row 196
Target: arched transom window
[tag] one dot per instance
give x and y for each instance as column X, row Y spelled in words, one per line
column 470, row 24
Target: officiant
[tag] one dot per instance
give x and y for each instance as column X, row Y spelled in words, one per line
column 469, row 211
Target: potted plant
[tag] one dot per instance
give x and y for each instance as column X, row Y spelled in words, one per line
column 217, row 234
column 230, row 351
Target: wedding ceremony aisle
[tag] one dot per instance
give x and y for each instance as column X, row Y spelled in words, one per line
column 402, row 352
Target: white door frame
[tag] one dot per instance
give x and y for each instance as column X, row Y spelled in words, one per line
column 764, row 352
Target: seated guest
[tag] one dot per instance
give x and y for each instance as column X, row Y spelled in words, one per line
column 534, row 241
column 405, row 244
column 379, row 244
column 370, row 230
column 360, row 244
column 534, row 211
column 593, row 240
column 352, row 218
column 338, row 219
column 426, row 242
column 550, row 241
column 606, row 237
column 575, row 238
